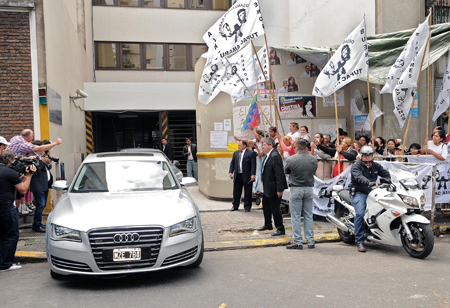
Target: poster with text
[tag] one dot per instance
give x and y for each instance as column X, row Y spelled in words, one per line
column 328, row 101
column 297, row 106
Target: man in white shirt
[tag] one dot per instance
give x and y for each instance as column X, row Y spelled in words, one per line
column 306, row 73
column 190, row 152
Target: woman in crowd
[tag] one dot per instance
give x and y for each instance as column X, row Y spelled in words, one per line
column 345, row 151
column 364, row 140
column 381, row 145
column 287, row 148
column 414, row 149
column 294, row 133
column 392, row 150
column 304, row 133
column 308, row 110
column 356, row 146
column 324, row 167
column 436, row 146
column 274, row 59
column 292, row 84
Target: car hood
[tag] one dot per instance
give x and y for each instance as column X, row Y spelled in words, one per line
column 85, row 211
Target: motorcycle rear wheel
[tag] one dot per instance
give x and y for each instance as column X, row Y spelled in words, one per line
column 423, row 240
column 346, row 237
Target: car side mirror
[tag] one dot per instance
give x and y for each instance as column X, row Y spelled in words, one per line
column 60, row 185
column 188, row 181
column 176, row 163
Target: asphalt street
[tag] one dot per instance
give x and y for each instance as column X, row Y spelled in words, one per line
column 332, row 275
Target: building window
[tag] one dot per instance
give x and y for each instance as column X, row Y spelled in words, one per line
column 171, row 4
column 154, row 56
column 149, row 56
column 129, row 2
column 131, row 56
column 197, row 51
column 177, row 57
column 106, row 55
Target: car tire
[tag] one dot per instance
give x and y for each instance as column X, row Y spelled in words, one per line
column 200, row 256
column 56, row 276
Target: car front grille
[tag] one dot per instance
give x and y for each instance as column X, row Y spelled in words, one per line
column 102, row 241
column 180, row 257
column 70, row 265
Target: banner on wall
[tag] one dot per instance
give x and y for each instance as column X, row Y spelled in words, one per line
column 323, row 203
column 297, row 106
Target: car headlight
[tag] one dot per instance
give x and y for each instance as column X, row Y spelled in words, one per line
column 410, row 201
column 186, row 226
column 423, row 200
column 179, row 175
column 60, row 233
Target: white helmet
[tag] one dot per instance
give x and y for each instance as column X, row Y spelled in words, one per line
column 367, row 150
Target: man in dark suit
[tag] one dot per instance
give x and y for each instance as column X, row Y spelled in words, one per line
column 274, row 183
column 243, row 167
column 167, row 149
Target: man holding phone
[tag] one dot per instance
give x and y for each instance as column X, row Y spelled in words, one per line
column 243, row 167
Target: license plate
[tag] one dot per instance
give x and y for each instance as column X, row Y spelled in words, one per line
column 126, row 254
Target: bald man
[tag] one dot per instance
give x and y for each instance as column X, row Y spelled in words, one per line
column 21, row 144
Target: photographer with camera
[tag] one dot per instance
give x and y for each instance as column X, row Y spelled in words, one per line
column 39, row 184
column 9, row 221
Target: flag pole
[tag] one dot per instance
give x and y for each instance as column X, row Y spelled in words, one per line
column 368, row 93
column 414, row 100
column 428, row 75
column 337, row 133
column 277, row 112
column 251, row 94
column 257, row 95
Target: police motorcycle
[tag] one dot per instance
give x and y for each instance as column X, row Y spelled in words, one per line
column 392, row 217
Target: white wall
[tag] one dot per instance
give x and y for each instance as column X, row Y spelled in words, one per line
column 68, row 65
column 321, row 23
column 119, row 96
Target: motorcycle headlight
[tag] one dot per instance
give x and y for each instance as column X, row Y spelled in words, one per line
column 423, row 200
column 60, row 233
column 186, row 226
column 410, row 201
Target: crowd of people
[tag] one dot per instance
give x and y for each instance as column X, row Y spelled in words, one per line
column 25, row 180
column 301, row 157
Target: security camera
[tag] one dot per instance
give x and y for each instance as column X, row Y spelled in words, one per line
column 82, row 93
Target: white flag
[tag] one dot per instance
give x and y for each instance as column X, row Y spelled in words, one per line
column 240, row 72
column 405, row 89
column 213, row 74
column 444, row 95
column 376, row 112
column 350, row 62
column 409, row 53
column 242, row 23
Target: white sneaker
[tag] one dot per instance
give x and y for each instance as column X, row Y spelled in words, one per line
column 12, row 267
column 23, row 209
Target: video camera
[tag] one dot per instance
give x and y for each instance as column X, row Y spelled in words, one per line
column 53, row 159
column 21, row 165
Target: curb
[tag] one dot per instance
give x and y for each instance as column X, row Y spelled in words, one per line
column 247, row 244
column 30, row 256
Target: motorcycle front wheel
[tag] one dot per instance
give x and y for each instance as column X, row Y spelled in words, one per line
column 423, row 240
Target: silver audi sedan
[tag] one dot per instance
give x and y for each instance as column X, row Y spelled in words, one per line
column 123, row 213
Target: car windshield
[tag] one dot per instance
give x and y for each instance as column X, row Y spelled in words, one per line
column 119, row 176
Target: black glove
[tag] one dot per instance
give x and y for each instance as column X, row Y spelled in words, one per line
column 371, row 184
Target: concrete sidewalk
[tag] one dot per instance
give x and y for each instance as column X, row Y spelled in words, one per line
column 222, row 229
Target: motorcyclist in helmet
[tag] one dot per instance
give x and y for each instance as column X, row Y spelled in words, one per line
column 364, row 174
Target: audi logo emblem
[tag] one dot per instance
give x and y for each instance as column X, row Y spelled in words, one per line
column 126, row 237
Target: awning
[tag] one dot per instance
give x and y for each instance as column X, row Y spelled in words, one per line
column 384, row 49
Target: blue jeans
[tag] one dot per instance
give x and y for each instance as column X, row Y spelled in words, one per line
column 9, row 236
column 359, row 203
column 302, row 199
column 41, row 201
column 191, row 167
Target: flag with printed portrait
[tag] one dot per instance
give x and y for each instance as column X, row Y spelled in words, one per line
column 242, row 23
column 444, row 96
column 350, row 62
